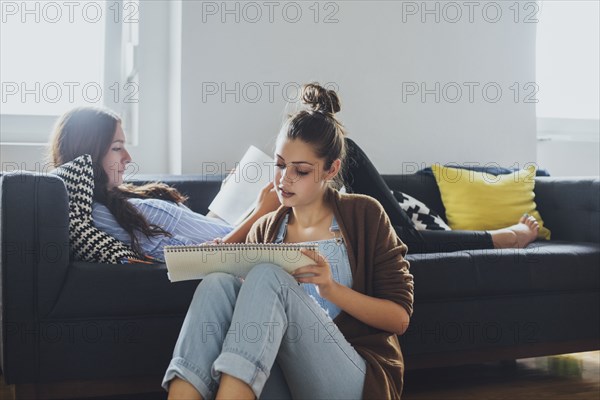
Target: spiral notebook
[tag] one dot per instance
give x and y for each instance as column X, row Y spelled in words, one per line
column 195, row 262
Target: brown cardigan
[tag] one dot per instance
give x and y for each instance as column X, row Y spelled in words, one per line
column 378, row 269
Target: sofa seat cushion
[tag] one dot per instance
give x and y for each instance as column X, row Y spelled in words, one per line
column 104, row 290
column 112, row 290
column 544, row 266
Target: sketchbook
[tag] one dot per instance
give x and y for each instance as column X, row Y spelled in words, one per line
column 195, row 262
column 237, row 198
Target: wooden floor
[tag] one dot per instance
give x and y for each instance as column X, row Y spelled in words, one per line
column 562, row 377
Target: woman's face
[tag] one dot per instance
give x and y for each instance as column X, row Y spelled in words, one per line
column 300, row 177
column 116, row 159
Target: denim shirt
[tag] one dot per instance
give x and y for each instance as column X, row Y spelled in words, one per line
column 336, row 254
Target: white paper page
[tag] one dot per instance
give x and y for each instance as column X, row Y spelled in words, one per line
column 195, row 262
column 238, row 196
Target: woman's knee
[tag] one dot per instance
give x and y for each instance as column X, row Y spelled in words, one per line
column 219, row 282
column 220, row 278
column 268, row 272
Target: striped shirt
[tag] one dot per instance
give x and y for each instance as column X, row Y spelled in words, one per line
column 185, row 226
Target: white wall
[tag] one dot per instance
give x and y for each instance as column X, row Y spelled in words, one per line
column 30, row 157
column 369, row 54
column 570, row 158
column 568, row 147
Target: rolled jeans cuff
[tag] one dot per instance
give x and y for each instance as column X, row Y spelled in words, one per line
column 181, row 368
column 242, row 368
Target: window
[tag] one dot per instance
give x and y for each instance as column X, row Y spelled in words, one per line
column 567, row 65
column 58, row 55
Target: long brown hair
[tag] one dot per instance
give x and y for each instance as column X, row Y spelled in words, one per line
column 318, row 126
column 90, row 130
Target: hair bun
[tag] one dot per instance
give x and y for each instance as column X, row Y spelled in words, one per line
column 320, row 99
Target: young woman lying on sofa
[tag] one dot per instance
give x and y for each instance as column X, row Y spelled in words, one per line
column 146, row 217
column 152, row 216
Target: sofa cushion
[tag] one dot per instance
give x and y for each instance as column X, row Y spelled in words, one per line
column 420, row 186
column 94, row 290
column 423, row 217
column 544, row 266
column 540, row 268
column 487, row 170
column 571, row 207
column 87, row 242
column 481, row 201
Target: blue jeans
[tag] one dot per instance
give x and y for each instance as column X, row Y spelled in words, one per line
column 267, row 332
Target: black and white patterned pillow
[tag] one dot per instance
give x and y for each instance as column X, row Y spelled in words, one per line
column 420, row 214
column 86, row 241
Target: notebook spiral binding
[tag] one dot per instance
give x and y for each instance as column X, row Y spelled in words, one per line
column 240, row 246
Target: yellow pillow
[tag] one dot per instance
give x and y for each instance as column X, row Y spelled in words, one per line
column 482, row 201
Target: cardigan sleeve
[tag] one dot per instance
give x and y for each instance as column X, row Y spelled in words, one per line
column 257, row 231
column 391, row 277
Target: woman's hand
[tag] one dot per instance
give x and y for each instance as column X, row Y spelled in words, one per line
column 267, row 200
column 213, row 242
column 320, row 271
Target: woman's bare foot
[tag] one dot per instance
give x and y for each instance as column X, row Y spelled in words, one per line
column 526, row 230
column 518, row 235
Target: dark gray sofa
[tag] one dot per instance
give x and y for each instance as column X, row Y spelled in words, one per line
column 75, row 328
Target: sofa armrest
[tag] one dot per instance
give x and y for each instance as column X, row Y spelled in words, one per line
column 570, row 207
column 34, row 248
